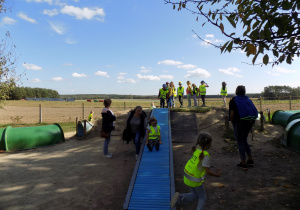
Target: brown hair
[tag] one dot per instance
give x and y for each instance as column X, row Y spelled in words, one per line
column 204, row 140
column 107, row 102
column 240, row 90
column 223, row 85
column 151, row 120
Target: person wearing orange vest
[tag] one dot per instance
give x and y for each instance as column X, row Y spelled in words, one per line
column 224, row 92
column 194, row 173
column 202, row 90
column 153, row 137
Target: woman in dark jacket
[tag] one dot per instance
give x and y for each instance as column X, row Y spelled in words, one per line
column 108, row 119
column 137, row 123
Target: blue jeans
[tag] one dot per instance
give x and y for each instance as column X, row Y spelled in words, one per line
column 170, row 101
column 137, row 142
column 195, row 99
column 196, row 193
column 105, row 146
column 241, row 131
column 162, row 103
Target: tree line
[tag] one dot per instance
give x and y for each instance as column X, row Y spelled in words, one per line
column 277, row 92
column 18, row 93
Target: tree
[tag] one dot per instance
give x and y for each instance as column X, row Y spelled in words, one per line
column 258, row 27
column 7, row 63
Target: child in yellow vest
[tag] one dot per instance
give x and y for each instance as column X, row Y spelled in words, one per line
column 90, row 118
column 194, row 173
column 153, row 137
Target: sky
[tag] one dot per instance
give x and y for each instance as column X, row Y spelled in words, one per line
column 126, row 47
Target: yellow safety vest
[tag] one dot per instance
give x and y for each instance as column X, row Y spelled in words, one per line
column 202, row 89
column 90, row 117
column 163, row 93
column 153, row 134
column 192, row 176
column 180, row 91
column 174, row 92
column 192, row 91
column 224, row 92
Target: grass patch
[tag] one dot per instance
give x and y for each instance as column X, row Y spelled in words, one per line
column 65, row 126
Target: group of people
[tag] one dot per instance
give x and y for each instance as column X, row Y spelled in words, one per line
column 168, row 92
column 242, row 114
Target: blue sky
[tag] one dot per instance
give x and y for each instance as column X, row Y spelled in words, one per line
column 126, row 47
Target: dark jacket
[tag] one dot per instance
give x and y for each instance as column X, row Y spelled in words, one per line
column 107, row 120
column 142, row 124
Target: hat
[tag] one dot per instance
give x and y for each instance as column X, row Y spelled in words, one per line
column 179, row 83
column 164, row 85
column 202, row 81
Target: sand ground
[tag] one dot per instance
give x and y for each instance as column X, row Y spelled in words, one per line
column 74, row 174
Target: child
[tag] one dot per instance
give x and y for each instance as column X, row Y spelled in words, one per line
column 90, row 118
column 153, row 137
column 108, row 119
column 194, row 173
column 163, row 95
column 224, row 92
column 152, row 105
column 194, row 93
column 180, row 93
column 202, row 89
column 188, row 93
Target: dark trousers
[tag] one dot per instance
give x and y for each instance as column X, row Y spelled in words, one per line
column 180, row 100
column 162, row 103
column 241, row 131
column 203, row 99
column 152, row 143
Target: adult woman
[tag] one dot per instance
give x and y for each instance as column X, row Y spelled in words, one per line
column 171, row 95
column 137, row 124
column 108, row 119
column 188, row 93
column 242, row 115
column 224, row 92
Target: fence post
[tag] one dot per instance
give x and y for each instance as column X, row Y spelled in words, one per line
column 76, row 126
column 260, row 99
column 261, row 121
column 290, row 102
column 82, row 110
column 84, row 128
column 40, row 113
column 124, row 105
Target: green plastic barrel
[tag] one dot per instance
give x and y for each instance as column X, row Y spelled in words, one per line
column 32, row 137
column 292, row 135
column 2, row 142
column 283, row 118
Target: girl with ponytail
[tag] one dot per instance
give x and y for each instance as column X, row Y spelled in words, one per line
column 194, row 173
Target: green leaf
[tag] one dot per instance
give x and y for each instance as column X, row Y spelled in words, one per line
column 286, row 5
column 289, row 59
column 174, row 7
column 266, row 59
column 222, row 27
column 254, row 58
column 229, row 48
column 231, row 21
column 224, row 46
column 255, row 24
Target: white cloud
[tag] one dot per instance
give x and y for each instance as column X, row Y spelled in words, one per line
column 147, row 77
column 84, row 13
column 122, row 73
column 50, row 12
column 50, row 2
column 25, row 17
column 102, row 74
column 169, row 77
column 7, row 21
column 142, row 67
column 127, row 81
column 209, row 36
column 210, row 39
column 197, row 73
column 145, row 70
column 231, row 71
column 58, row 28
column 69, row 41
column 31, row 66
column 57, row 79
column 36, row 80
column 120, row 77
column 78, row 75
column 170, row 62
column 283, row 70
column 187, row 66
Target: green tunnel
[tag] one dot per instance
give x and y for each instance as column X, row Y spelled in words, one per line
column 30, row 137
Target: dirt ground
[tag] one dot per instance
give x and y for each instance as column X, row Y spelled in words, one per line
column 74, row 174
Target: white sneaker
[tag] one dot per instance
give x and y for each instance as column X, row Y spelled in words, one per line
column 108, row 155
column 174, row 200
